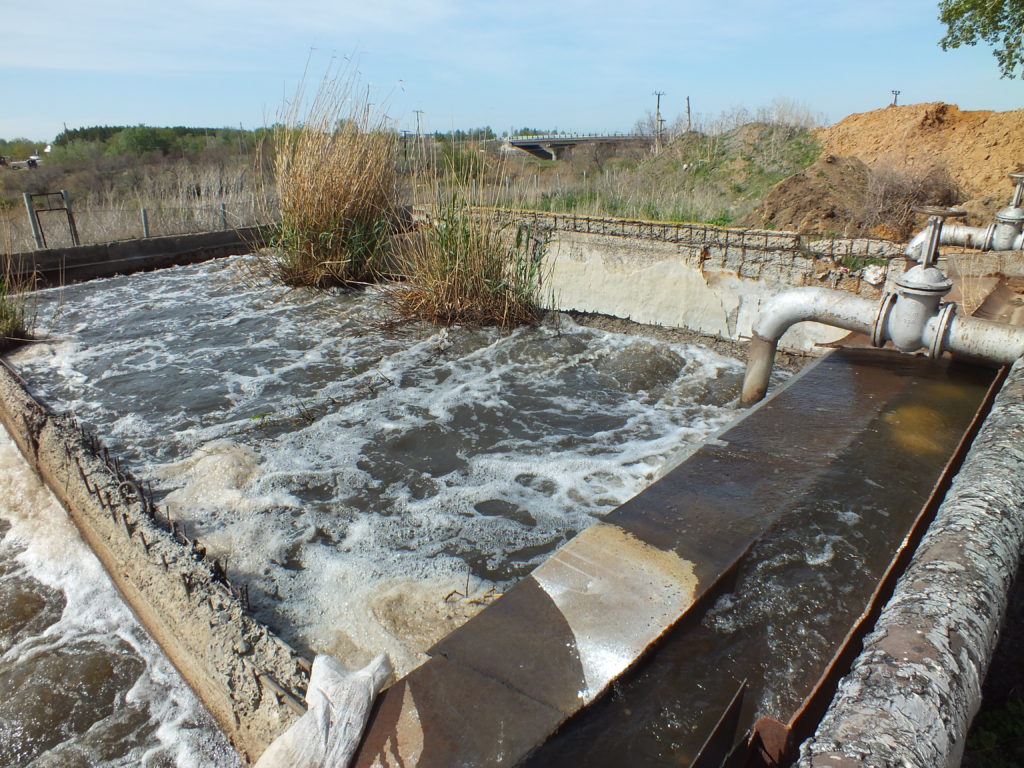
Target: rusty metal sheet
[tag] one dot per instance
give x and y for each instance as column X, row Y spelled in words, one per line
column 444, row 715
column 561, row 636
column 580, row 619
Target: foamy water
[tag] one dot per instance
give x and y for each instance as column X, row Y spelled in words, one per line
column 373, row 487
column 83, row 683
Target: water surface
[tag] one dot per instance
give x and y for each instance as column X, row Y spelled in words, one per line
column 373, row 486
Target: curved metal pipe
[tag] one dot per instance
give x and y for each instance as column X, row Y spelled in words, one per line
column 897, row 317
column 788, row 308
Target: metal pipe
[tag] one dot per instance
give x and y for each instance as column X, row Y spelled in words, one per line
column 785, row 309
column 994, row 342
column 1006, row 234
column 980, row 238
column 912, row 317
column 898, row 317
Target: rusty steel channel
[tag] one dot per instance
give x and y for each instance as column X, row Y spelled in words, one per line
column 623, row 602
column 772, row 743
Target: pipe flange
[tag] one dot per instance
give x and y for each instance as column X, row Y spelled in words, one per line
column 882, row 318
column 990, row 233
column 945, row 318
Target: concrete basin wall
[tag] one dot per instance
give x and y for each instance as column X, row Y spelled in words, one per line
column 708, row 280
column 251, row 682
column 57, row 266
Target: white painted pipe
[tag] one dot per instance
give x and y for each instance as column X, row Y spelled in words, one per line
column 994, row 237
column 822, row 305
column 910, row 322
column 785, row 309
column 990, row 341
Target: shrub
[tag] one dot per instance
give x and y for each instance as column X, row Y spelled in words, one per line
column 471, row 266
column 335, row 165
column 891, row 195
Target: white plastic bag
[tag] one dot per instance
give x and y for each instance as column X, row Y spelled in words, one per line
column 338, row 704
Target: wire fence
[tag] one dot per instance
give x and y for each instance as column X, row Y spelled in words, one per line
column 707, row 235
column 104, row 225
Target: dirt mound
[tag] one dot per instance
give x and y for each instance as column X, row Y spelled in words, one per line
column 845, row 196
column 820, row 199
column 978, row 148
column 875, row 166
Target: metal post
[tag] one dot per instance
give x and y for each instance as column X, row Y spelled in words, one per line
column 657, row 121
column 34, row 222
column 223, row 216
column 145, row 222
column 71, row 216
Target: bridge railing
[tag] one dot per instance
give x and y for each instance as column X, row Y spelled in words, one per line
column 581, row 136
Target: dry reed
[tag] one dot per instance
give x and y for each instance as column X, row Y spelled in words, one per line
column 14, row 324
column 336, row 175
column 471, row 266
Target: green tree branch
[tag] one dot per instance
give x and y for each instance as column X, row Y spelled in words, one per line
column 999, row 23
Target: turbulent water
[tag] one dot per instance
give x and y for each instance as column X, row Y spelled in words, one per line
column 373, row 486
column 83, row 685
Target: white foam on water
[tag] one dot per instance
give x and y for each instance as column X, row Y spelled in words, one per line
column 53, row 554
column 356, row 478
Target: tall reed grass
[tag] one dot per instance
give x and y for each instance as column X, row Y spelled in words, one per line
column 13, row 320
column 13, row 330
column 336, row 177
column 471, row 266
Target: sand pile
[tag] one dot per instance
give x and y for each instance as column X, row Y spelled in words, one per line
column 978, row 148
column 875, row 166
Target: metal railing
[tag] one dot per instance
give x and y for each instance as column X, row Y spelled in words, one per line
column 582, row 136
column 91, row 225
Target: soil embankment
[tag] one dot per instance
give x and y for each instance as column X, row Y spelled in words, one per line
column 876, row 165
column 978, row 148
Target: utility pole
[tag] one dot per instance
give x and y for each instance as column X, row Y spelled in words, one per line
column 895, row 96
column 689, row 126
column 657, row 121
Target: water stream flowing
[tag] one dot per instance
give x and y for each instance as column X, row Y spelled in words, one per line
column 83, row 685
column 373, row 486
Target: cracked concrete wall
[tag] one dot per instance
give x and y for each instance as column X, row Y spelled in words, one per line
column 251, row 682
column 912, row 692
column 715, row 289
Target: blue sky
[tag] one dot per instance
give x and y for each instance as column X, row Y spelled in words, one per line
column 571, row 65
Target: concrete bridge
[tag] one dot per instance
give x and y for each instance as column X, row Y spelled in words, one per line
column 555, row 146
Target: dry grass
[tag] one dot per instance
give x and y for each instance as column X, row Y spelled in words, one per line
column 14, row 323
column 179, row 197
column 336, row 176
column 471, row 266
column 891, row 196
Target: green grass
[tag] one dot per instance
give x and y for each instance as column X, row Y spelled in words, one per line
column 471, row 267
column 13, row 328
column 997, row 736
